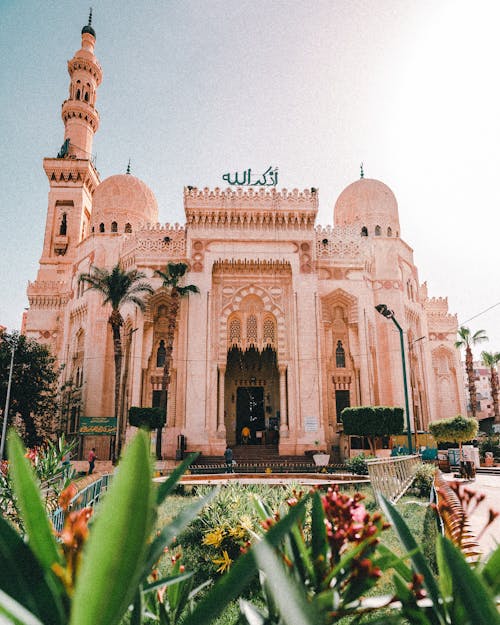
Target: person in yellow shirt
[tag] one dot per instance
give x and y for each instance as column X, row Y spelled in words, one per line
column 245, row 435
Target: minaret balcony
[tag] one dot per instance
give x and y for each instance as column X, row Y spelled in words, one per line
column 60, row 244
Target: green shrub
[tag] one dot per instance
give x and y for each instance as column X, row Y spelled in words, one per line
column 424, row 477
column 149, row 418
column 357, row 465
column 489, row 444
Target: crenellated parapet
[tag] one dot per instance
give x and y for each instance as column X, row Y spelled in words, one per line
column 250, row 208
column 76, row 171
column 48, row 294
column 340, row 242
column 442, row 325
column 154, row 241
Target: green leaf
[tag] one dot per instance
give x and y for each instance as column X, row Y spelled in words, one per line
column 173, row 529
column 491, row 571
column 389, row 560
column 319, row 542
column 230, row 585
column 38, row 528
column 114, row 556
column 13, row 613
column 167, row 581
column 289, row 597
column 253, row 615
column 168, row 486
column 23, row 579
column 418, row 560
column 477, row 601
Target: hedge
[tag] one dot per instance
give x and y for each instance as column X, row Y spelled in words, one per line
column 149, row 418
column 373, row 420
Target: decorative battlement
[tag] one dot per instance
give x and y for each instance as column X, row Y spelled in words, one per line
column 340, row 242
column 168, row 240
column 246, row 266
column 247, row 208
column 76, row 170
column 46, row 286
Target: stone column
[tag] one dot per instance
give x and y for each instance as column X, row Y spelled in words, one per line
column 283, row 411
column 221, row 426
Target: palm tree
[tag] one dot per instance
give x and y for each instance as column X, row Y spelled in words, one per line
column 117, row 288
column 467, row 340
column 491, row 359
column 171, row 278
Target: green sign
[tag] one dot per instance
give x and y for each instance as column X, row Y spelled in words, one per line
column 97, row 426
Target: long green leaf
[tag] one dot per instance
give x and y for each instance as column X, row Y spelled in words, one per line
column 230, row 585
column 170, row 483
column 13, row 613
column 491, row 571
column 477, row 601
column 252, row 614
column 38, row 529
column 113, row 560
column 23, row 579
column 173, row 529
column 418, row 560
column 319, row 542
column 289, row 597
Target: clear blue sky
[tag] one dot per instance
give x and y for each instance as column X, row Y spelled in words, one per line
column 193, row 89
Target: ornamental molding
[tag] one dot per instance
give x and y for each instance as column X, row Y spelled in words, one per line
column 251, row 267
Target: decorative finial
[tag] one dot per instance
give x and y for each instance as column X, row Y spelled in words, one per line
column 128, row 167
column 362, row 172
column 90, row 17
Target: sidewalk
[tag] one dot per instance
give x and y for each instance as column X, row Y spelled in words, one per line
column 489, row 485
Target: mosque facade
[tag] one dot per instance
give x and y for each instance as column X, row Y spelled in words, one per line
column 284, row 332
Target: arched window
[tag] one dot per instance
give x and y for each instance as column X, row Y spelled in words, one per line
column 235, row 331
column 340, row 356
column 114, row 226
column 378, row 231
column 128, row 227
column 101, row 227
column 78, row 94
column 93, row 229
column 364, row 231
column 252, row 329
column 64, row 226
column 161, row 354
column 389, row 231
column 86, row 97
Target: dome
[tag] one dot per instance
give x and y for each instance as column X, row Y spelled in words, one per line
column 369, row 203
column 122, row 203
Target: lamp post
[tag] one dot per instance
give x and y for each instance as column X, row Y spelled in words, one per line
column 13, row 345
column 389, row 314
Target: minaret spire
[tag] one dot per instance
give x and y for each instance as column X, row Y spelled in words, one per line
column 128, row 167
column 361, row 171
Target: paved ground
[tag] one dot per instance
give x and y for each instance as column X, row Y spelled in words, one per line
column 490, row 486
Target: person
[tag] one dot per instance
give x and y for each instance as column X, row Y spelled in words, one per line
column 92, row 459
column 228, row 456
column 245, row 434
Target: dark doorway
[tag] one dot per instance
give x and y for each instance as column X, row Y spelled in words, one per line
column 250, row 411
column 342, row 400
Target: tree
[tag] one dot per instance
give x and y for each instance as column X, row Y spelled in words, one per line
column 171, row 278
column 372, row 421
column 118, row 287
column 33, row 388
column 468, row 340
column 491, row 360
column 457, row 429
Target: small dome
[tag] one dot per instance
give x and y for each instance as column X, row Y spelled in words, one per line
column 369, row 203
column 123, row 200
column 88, row 29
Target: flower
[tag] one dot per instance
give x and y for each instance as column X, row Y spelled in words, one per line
column 215, row 537
column 237, row 532
column 224, row 562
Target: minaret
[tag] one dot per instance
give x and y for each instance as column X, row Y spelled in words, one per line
column 72, row 178
column 72, row 175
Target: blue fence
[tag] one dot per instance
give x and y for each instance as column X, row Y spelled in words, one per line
column 85, row 498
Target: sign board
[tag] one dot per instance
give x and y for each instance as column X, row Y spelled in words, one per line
column 311, row 424
column 97, row 426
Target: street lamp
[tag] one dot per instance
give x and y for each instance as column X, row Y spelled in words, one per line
column 13, row 344
column 389, row 314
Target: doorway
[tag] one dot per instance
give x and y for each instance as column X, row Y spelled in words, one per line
column 342, row 400
column 250, row 412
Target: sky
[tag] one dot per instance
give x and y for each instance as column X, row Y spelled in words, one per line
column 193, row 89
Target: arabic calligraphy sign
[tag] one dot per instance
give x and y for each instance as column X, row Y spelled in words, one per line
column 97, row 426
column 268, row 179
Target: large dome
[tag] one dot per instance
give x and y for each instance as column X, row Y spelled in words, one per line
column 370, row 204
column 122, row 203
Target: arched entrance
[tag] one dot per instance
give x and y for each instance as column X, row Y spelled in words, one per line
column 252, row 396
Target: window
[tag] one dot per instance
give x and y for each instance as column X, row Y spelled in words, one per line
column 340, row 356
column 128, row 227
column 64, row 226
column 389, row 231
column 101, row 227
column 114, row 226
column 161, row 354
column 378, row 231
column 364, row 231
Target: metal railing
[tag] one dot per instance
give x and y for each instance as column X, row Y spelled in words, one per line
column 391, row 477
column 85, row 498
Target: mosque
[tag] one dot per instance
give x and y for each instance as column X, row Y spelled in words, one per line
column 284, row 332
